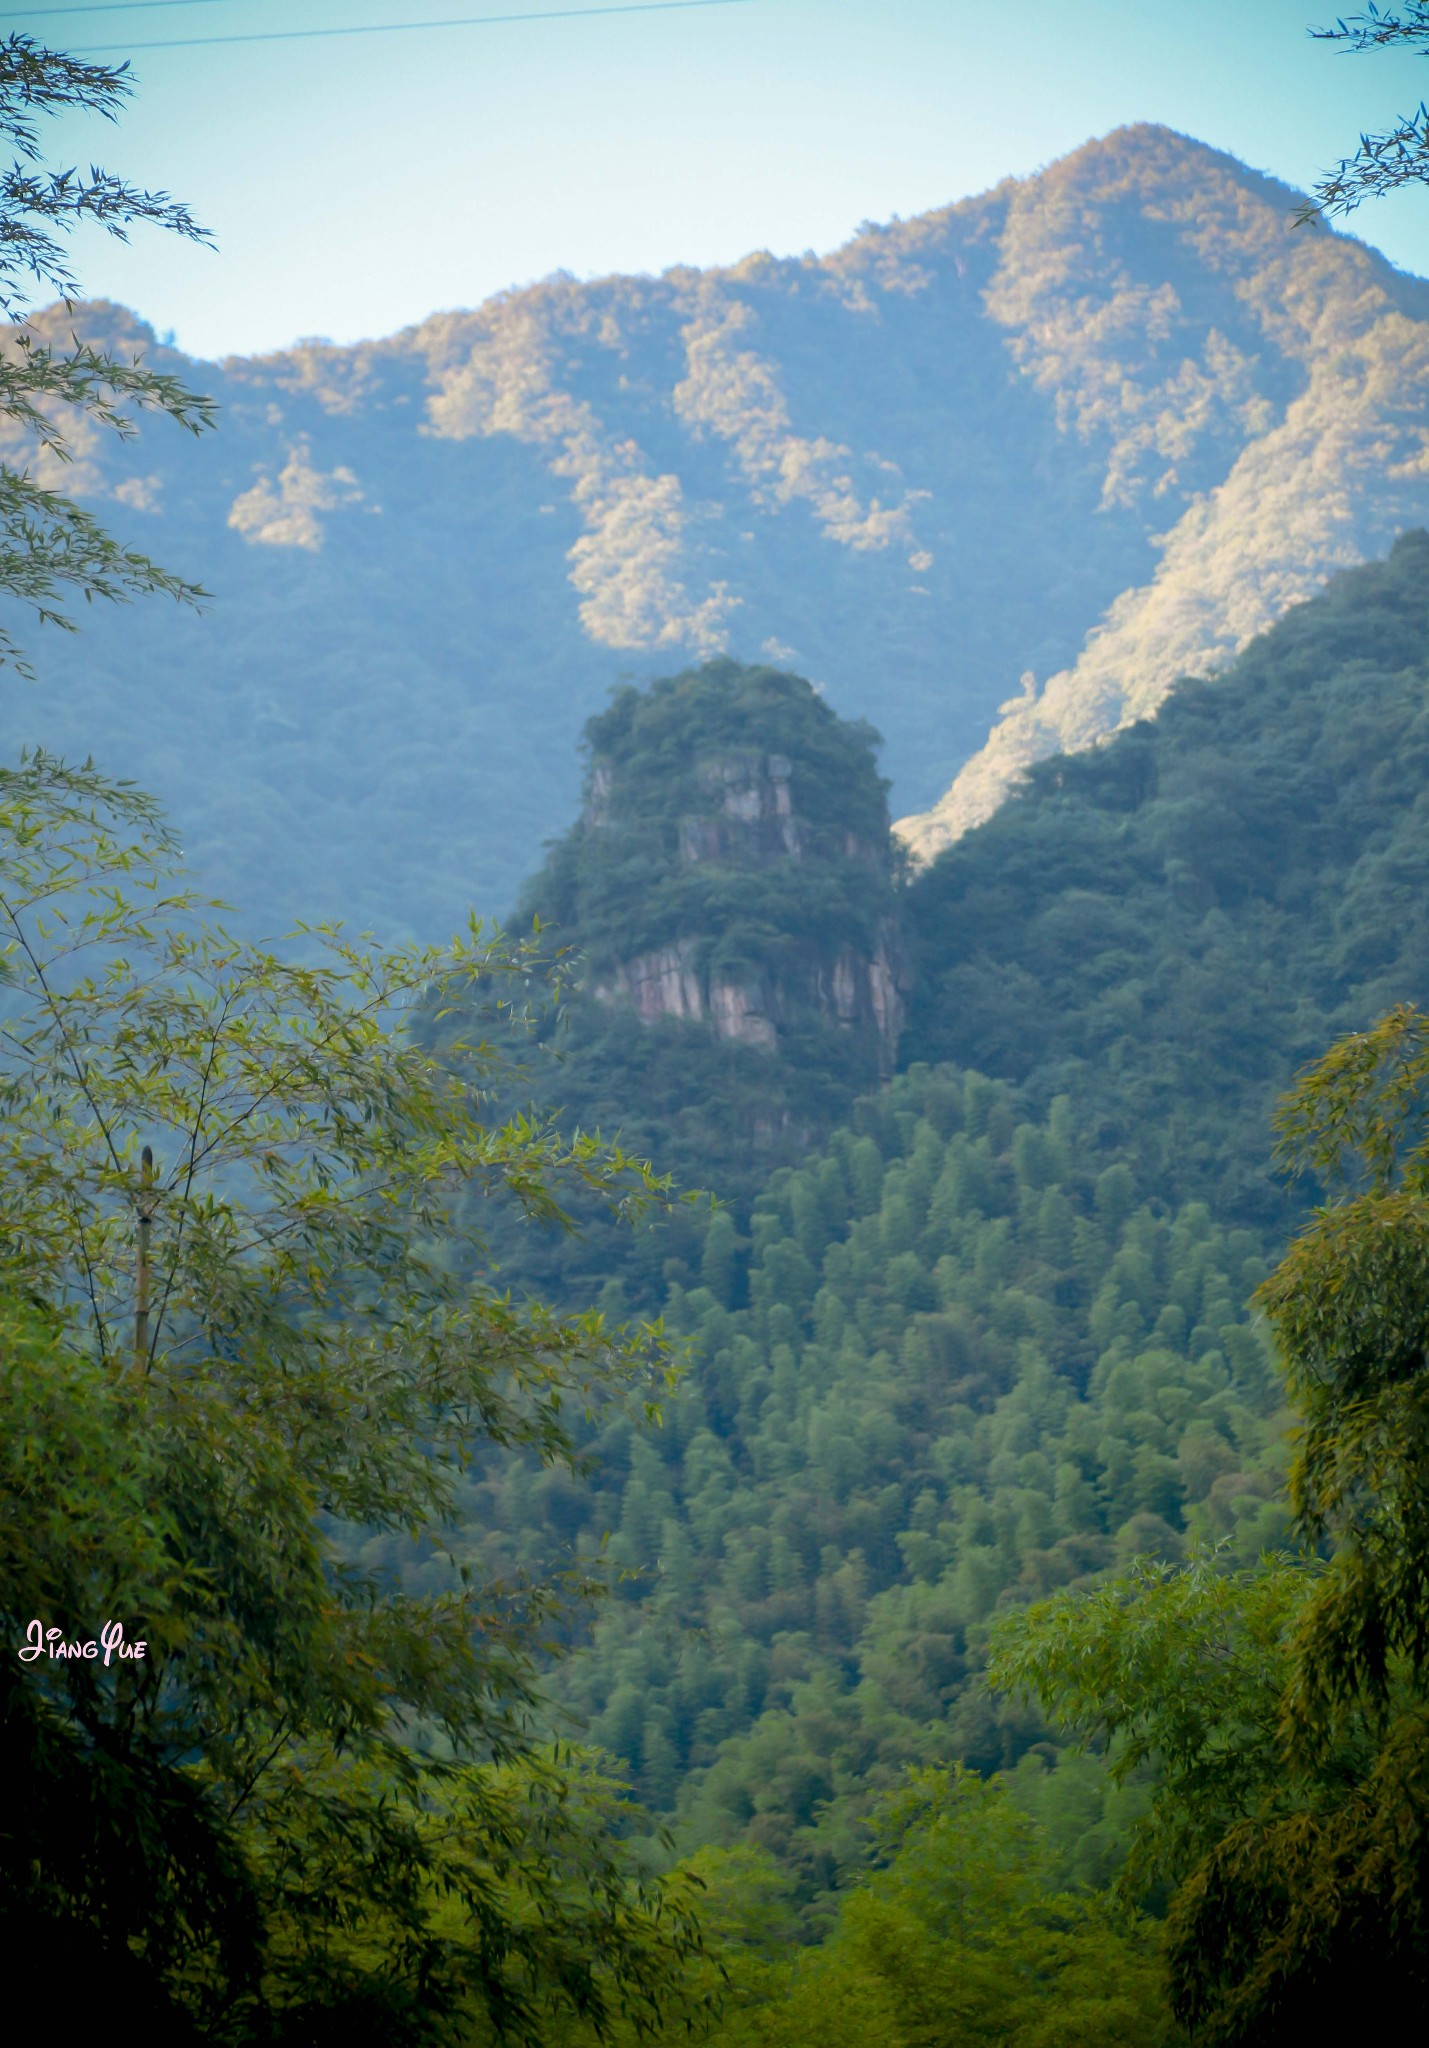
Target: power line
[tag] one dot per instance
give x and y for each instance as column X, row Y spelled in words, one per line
column 113, row 7
column 391, row 28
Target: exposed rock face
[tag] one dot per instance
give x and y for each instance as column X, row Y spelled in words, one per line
column 740, row 1013
column 752, row 791
column 887, row 974
column 852, row 991
column 733, row 867
column 597, row 804
column 664, row 983
column 751, row 824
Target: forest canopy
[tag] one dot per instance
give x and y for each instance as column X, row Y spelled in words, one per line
column 962, row 1576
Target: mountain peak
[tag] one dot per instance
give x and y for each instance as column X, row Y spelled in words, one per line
column 1098, row 427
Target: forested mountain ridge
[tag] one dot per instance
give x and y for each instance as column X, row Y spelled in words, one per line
column 1167, row 927
column 993, row 1336
column 1120, row 399
column 1306, row 402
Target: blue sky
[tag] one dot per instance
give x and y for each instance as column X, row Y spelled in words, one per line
column 358, row 183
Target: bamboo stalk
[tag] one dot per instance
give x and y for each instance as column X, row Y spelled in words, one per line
column 141, row 1280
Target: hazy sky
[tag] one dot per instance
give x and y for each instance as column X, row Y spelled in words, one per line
column 357, row 183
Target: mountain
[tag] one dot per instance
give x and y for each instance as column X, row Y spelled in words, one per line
column 993, row 1335
column 730, row 893
column 1167, row 927
column 1300, row 349
column 1100, row 426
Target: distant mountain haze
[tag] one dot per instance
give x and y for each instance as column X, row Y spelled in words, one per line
column 1093, row 431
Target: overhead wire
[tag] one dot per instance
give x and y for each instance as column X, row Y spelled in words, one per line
column 388, row 28
column 113, row 7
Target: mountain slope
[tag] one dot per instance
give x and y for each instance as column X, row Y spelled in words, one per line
column 1321, row 373
column 1120, row 395
column 1165, row 928
column 995, row 1336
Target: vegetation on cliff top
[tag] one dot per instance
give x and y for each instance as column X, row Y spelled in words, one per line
column 685, row 839
column 735, row 854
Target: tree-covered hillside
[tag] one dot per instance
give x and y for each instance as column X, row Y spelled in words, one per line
column 1123, row 394
column 964, row 1364
column 729, row 901
column 1167, row 927
column 993, row 1337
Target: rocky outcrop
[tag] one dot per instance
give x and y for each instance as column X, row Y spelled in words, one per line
column 733, row 870
column 747, row 821
column 740, row 1011
column 664, row 983
column 748, row 814
column 851, row 991
column 729, row 896
column 756, row 817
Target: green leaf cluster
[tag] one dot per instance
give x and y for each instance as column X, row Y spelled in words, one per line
column 52, row 398
column 1400, row 155
column 958, row 1932
column 237, row 1331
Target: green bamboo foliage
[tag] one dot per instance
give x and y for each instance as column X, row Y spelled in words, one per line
column 329, row 1785
column 1284, row 1710
column 53, row 397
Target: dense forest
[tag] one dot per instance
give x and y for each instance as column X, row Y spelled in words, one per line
column 992, row 1336
column 961, row 1368
column 816, row 1446
column 1167, row 927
